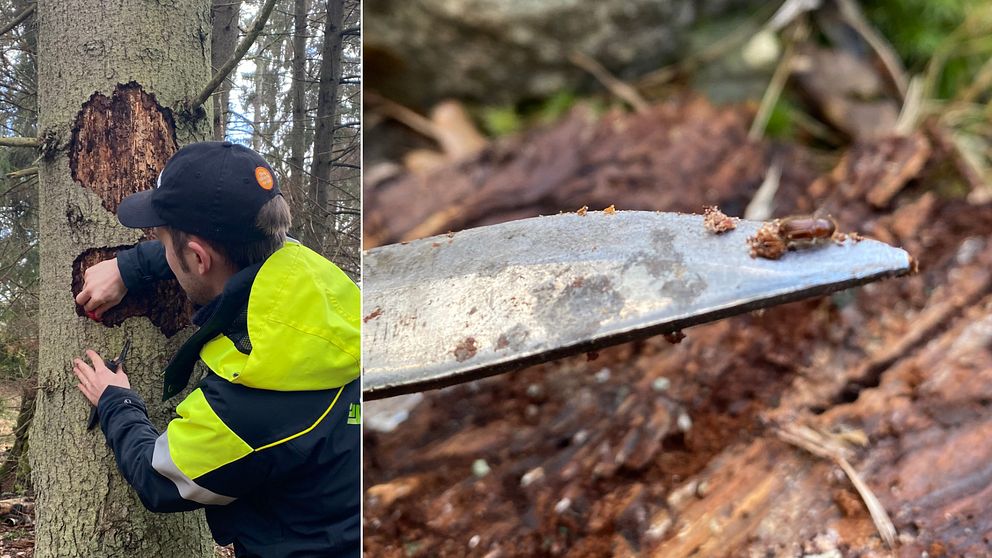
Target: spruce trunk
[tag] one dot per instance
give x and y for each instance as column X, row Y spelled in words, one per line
column 296, row 196
column 327, row 104
column 224, row 39
column 107, row 74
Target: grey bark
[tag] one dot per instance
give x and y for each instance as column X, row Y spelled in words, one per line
column 84, row 506
column 223, row 40
column 297, row 134
column 505, row 50
column 327, row 101
column 261, row 70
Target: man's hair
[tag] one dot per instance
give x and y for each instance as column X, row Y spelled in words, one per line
column 273, row 220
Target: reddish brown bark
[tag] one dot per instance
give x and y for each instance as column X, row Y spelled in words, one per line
column 165, row 303
column 102, row 155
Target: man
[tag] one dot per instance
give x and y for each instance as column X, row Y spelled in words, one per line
column 268, row 442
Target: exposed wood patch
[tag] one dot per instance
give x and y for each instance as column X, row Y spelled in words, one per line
column 120, row 143
column 166, row 305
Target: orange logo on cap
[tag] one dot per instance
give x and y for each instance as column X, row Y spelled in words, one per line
column 264, row 177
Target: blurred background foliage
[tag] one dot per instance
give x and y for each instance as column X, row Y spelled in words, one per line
column 822, row 73
column 948, row 42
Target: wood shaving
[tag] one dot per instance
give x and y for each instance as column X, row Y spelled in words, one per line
column 841, row 238
column 767, row 242
column 830, row 447
column 716, row 221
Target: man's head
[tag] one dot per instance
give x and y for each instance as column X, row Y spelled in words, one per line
column 217, row 209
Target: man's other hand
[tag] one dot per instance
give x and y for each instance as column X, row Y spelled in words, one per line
column 93, row 380
column 103, row 288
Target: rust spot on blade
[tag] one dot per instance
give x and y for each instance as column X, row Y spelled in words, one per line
column 512, row 338
column 375, row 314
column 466, row 349
column 165, row 304
column 121, row 143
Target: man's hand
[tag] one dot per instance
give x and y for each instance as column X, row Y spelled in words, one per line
column 103, row 288
column 93, row 380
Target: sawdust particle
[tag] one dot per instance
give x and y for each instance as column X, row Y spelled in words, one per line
column 767, row 242
column 716, row 221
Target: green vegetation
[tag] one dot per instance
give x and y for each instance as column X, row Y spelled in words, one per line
column 918, row 28
column 504, row 120
column 950, row 40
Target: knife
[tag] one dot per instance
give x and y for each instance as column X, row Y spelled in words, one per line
column 462, row 306
column 113, row 365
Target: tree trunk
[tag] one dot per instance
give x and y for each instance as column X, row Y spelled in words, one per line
column 327, row 100
column 223, row 41
column 107, row 71
column 261, row 68
column 297, row 135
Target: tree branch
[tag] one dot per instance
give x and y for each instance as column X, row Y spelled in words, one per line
column 19, row 142
column 23, row 172
column 17, row 20
column 239, row 53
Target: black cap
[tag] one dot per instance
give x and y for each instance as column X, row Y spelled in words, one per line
column 211, row 189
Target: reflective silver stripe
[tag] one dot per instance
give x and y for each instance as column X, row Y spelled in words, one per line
column 162, row 462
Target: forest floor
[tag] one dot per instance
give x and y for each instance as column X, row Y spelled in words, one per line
column 689, row 449
column 16, row 527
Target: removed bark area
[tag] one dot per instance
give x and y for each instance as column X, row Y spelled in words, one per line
column 656, row 449
column 165, row 304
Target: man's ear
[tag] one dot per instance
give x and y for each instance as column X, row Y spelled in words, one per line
column 202, row 259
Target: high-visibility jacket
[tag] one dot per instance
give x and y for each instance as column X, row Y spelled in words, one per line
column 268, row 442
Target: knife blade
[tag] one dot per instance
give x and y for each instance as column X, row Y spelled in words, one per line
column 458, row 307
